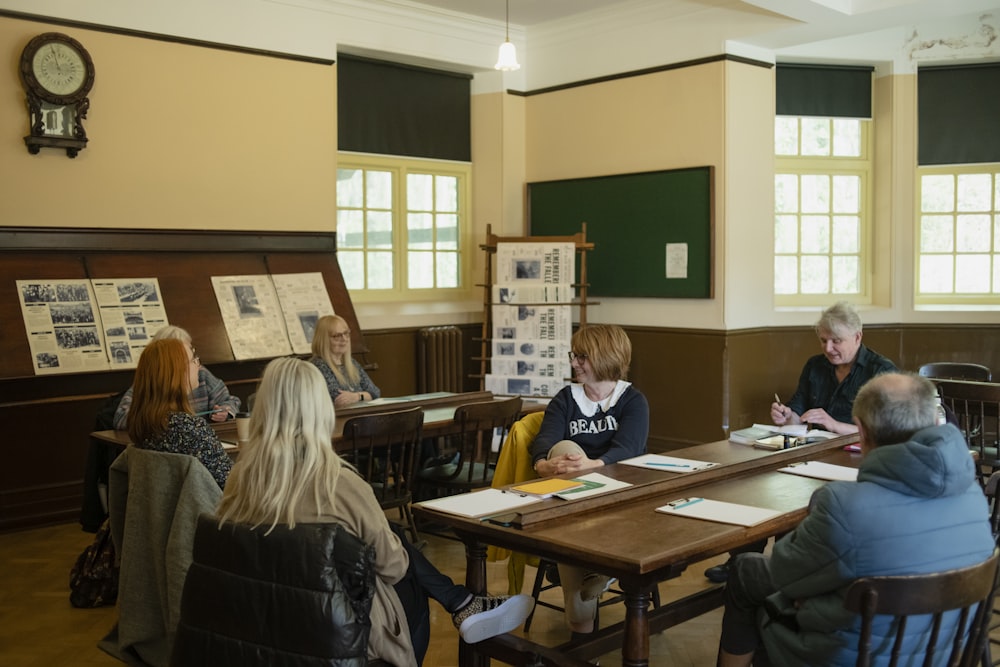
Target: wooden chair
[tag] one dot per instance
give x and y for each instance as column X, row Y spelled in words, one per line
column 968, row 592
column 474, row 464
column 948, row 370
column 383, row 447
column 976, row 405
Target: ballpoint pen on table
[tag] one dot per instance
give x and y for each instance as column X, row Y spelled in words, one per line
column 667, row 465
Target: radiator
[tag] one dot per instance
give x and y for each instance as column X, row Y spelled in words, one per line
column 439, row 359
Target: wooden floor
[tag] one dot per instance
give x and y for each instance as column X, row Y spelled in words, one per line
column 38, row 627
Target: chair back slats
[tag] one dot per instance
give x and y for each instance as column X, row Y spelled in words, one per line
column 952, row 370
column 969, row 591
column 976, row 406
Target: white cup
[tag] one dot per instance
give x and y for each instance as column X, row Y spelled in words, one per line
column 242, row 426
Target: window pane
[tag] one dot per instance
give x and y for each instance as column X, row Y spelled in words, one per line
column 786, row 193
column 786, row 136
column 419, row 192
column 846, row 234
column 815, row 136
column 815, row 193
column 846, row 137
column 350, row 229
column 786, row 275
column 350, row 184
column 380, row 229
column 936, row 233
column 936, row 274
column 996, row 274
column 937, row 193
column 447, row 193
column 447, row 269
column 379, row 189
column 845, row 275
column 420, row 269
column 379, row 270
column 447, row 231
column 420, row 228
column 996, row 230
column 786, row 233
column 972, row 233
column 815, row 233
column 972, row 274
column 352, row 264
column 815, row 275
column 974, row 192
column 846, row 194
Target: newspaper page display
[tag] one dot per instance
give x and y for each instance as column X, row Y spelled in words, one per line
column 63, row 326
column 252, row 315
column 132, row 312
column 304, row 299
column 532, row 321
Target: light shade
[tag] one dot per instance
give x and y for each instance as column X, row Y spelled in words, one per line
column 507, row 58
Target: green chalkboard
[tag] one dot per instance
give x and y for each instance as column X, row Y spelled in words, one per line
column 632, row 220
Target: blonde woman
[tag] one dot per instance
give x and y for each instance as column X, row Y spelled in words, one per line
column 346, row 381
column 288, row 473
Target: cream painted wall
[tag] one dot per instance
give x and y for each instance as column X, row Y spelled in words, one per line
column 181, row 137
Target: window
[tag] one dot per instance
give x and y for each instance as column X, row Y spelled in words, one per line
column 822, row 199
column 401, row 225
column 958, row 239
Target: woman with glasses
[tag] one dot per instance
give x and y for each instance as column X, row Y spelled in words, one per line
column 161, row 417
column 598, row 420
column 331, row 347
column 210, row 397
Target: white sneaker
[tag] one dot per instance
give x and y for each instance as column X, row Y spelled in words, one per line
column 489, row 616
column 595, row 585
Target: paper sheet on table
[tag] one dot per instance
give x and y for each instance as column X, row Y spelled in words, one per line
column 487, row 502
column 820, row 470
column 594, row 484
column 717, row 510
column 667, row 463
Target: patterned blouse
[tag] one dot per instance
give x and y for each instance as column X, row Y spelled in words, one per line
column 364, row 382
column 187, row 434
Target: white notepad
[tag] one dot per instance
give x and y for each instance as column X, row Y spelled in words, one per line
column 717, row 510
column 667, row 463
column 487, row 502
column 820, row 470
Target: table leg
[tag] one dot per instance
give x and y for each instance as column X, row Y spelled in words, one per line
column 635, row 645
column 475, row 581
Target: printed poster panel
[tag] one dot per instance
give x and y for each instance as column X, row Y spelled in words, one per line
column 529, row 385
column 558, row 293
column 132, row 312
column 304, row 299
column 531, row 357
column 532, row 322
column 535, row 263
column 63, row 326
column 252, row 315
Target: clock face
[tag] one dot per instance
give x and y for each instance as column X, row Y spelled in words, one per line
column 59, row 68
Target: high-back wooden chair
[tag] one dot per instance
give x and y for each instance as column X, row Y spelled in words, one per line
column 976, row 406
column 949, row 370
column 959, row 602
column 383, row 447
column 474, row 463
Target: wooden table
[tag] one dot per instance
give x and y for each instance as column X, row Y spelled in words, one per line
column 620, row 534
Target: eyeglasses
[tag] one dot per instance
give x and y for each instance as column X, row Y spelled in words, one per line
column 196, row 360
column 343, row 335
column 573, row 356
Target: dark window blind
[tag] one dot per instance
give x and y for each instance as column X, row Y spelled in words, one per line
column 958, row 114
column 392, row 109
column 823, row 90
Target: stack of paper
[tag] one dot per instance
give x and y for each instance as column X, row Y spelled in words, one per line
column 820, row 470
column 667, row 463
column 593, row 484
column 546, row 488
column 487, row 502
column 716, row 510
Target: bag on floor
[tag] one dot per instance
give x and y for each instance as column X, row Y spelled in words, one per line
column 93, row 581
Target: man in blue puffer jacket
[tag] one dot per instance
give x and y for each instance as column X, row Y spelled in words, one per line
column 916, row 508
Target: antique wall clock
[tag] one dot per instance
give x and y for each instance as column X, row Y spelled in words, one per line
column 57, row 73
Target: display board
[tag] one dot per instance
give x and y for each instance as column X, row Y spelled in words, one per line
column 653, row 231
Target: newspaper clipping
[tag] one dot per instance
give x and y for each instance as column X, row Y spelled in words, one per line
column 523, row 264
column 252, row 315
column 131, row 311
column 304, row 299
column 63, row 326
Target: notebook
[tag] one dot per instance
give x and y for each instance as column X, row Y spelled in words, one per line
column 545, row 488
column 717, row 510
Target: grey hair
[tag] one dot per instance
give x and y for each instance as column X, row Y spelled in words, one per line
column 893, row 406
column 838, row 318
column 170, row 331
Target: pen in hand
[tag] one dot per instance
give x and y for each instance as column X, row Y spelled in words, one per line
column 776, row 399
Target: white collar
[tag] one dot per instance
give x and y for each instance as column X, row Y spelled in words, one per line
column 588, row 407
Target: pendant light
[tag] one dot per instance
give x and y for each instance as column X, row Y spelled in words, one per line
column 507, row 58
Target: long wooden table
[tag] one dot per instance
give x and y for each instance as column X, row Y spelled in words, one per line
column 621, row 534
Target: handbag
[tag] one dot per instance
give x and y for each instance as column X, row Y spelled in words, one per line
column 93, row 580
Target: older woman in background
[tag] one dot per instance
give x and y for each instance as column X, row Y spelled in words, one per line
column 346, row 381
column 598, row 420
column 210, row 397
column 161, row 417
